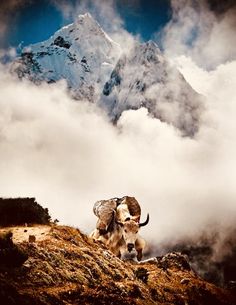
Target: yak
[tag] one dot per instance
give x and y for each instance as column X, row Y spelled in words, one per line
column 119, row 224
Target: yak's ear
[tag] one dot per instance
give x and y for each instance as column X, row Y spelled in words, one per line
column 136, row 218
column 127, row 219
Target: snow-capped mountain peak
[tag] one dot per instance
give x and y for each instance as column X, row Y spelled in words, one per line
column 95, row 69
column 145, row 78
column 81, row 52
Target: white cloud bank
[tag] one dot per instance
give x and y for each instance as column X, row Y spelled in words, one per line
column 68, row 156
column 200, row 33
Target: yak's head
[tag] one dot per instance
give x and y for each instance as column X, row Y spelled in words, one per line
column 130, row 228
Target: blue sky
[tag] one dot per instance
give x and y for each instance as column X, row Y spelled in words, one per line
column 37, row 20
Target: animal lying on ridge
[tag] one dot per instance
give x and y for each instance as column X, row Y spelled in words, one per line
column 121, row 233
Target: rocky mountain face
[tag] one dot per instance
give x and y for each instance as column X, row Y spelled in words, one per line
column 81, row 53
column 60, row 265
column 145, row 78
column 96, row 69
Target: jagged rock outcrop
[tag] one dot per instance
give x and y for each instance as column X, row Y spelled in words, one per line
column 174, row 260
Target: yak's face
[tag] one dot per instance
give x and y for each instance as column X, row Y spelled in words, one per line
column 130, row 228
column 130, row 233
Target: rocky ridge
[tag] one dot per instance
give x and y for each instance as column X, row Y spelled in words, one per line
column 65, row 266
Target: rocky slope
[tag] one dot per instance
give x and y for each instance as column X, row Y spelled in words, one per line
column 64, row 266
column 95, row 69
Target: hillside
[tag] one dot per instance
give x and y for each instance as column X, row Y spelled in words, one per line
column 65, row 266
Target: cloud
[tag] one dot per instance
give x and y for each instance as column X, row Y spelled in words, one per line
column 67, row 155
column 202, row 33
column 103, row 11
column 220, row 7
column 199, row 40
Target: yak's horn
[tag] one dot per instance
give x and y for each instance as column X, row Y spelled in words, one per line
column 145, row 222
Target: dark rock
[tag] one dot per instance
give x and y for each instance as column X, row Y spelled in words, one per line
column 28, row 66
column 60, row 42
column 72, row 57
column 32, row 239
column 84, row 64
column 41, row 54
column 231, row 285
column 141, row 274
column 174, row 260
column 83, row 60
column 115, row 78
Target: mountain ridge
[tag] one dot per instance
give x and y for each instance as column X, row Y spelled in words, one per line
column 145, row 78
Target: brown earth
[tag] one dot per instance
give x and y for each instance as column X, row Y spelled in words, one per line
column 67, row 267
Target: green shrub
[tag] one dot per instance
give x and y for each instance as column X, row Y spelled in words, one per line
column 18, row 211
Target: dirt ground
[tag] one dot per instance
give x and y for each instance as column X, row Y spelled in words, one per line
column 21, row 234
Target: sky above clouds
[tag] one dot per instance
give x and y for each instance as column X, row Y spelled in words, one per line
column 33, row 21
column 68, row 155
column 205, row 28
